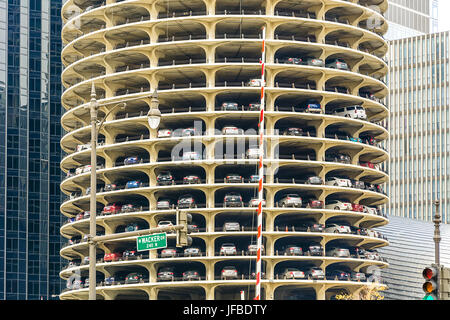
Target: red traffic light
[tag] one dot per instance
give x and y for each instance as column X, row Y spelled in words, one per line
column 429, row 273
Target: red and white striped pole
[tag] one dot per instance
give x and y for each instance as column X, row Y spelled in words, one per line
column 260, row 172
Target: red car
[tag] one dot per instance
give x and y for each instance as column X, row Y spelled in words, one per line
column 357, row 207
column 367, row 164
column 112, row 209
column 108, row 257
column 315, row 204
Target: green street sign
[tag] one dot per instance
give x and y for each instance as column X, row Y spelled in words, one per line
column 152, row 241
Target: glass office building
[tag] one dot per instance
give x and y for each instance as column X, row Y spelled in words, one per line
column 419, row 123
column 408, row 18
column 30, row 112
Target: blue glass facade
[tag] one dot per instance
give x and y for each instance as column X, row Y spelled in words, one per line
column 30, row 112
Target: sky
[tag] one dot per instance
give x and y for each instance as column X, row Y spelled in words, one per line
column 444, row 15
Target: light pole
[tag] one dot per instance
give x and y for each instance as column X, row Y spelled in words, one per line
column 154, row 118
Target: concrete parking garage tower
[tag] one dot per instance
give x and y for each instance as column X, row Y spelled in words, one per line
column 323, row 160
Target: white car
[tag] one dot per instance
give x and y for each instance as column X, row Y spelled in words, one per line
column 229, row 272
column 192, row 155
column 232, row 131
column 354, row 112
column 252, row 153
column 228, row 249
column 337, row 228
column 82, row 147
column 164, row 133
column 254, row 202
column 338, row 205
column 338, row 182
column 370, row 210
column 255, row 83
column 165, row 223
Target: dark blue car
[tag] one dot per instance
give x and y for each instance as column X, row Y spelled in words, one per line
column 131, row 160
column 133, row 184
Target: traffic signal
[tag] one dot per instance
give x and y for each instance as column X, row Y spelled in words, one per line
column 431, row 285
column 183, row 218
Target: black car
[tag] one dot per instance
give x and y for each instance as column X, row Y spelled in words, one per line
column 293, row 132
column 357, row 252
column 254, row 106
column 134, row 278
column 233, row 199
column 340, row 275
column 164, row 178
column 339, row 158
column 130, row 254
column 293, row 60
column 313, row 226
column 315, row 249
column 314, row 180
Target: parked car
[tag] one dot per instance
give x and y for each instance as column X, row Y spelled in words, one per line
column 134, row 277
column 315, row 249
column 109, row 257
column 338, row 182
column 336, row 64
column 338, row 205
column 110, row 187
column 163, row 204
column 229, row 272
column 230, row 106
column 131, row 160
column 165, row 223
column 252, row 153
column 255, row 83
column 233, row 199
column 191, row 179
column 252, row 249
column 82, row 147
column 256, row 106
column 367, row 164
column 168, row 253
column 111, row 209
column 338, row 252
column 231, row 226
column 314, row 204
column 109, row 281
column 314, row 62
column 315, row 273
column 165, row 133
column 354, row 112
column 165, row 178
column 189, row 132
column 130, row 255
column 358, row 184
column 292, row 60
column 191, row 155
column 232, row 130
column 186, row 201
column 293, row 132
column 228, row 249
column 128, row 208
column 312, row 226
column 132, row 227
column 337, row 228
column 311, row 106
column 191, row 275
column 314, row 180
column 357, row 207
column 358, row 276
column 339, row 275
column 234, row 178
column 339, row 158
column 166, row 274
column 291, row 200
column 293, row 273
column 293, row 250
column 254, row 178
column 192, row 252
column 254, row 202
column 133, row 184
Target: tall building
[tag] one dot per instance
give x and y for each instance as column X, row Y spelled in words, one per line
column 30, row 131
column 419, row 123
column 410, row 250
column 323, row 176
column 408, row 18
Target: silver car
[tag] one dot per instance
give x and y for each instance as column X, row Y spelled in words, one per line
column 337, row 228
column 163, row 204
column 338, row 252
column 338, row 182
column 291, row 200
column 192, row 252
column 168, row 253
column 229, row 272
column 228, row 249
column 293, row 273
column 231, row 226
